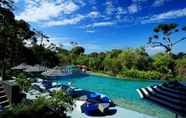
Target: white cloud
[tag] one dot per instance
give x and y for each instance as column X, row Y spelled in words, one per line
column 133, row 8
column 63, row 22
column 81, row 2
column 154, row 50
column 69, row 7
column 90, row 31
column 158, row 3
column 93, row 14
column 102, row 24
column 42, row 10
column 109, row 7
column 139, row 0
column 74, row 20
column 91, row 47
column 91, row 27
column 167, row 15
column 15, row 1
column 121, row 11
column 65, row 41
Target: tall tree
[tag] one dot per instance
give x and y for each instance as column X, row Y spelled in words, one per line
column 13, row 33
column 164, row 36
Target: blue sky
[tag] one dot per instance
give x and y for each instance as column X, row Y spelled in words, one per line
column 101, row 25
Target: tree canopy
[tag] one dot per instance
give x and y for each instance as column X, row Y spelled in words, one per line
column 77, row 50
column 163, row 36
column 14, row 48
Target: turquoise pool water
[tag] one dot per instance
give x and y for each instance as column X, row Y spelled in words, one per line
column 122, row 92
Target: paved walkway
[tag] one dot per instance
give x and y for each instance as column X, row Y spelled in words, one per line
column 121, row 113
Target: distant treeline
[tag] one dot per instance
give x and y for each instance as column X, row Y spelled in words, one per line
column 133, row 63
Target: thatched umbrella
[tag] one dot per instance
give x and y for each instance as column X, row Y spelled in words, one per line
column 35, row 69
column 171, row 95
column 21, row 67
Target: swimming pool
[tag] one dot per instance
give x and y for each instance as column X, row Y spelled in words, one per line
column 122, row 91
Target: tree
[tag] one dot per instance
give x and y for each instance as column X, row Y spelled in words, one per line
column 112, row 65
column 93, row 54
column 95, row 61
column 142, row 60
column 164, row 63
column 181, row 66
column 44, row 56
column 115, row 52
column 13, row 33
column 107, row 62
column 64, row 56
column 82, row 60
column 163, row 36
column 78, row 50
column 127, row 58
column 135, row 59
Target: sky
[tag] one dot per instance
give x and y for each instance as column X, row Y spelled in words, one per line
column 101, row 25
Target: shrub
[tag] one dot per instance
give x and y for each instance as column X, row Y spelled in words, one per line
column 53, row 107
column 23, row 82
column 179, row 78
column 181, row 67
column 61, row 102
column 141, row 74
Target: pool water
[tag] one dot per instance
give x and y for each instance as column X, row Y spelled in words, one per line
column 121, row 91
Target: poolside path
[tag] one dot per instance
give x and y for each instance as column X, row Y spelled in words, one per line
column 121, row 113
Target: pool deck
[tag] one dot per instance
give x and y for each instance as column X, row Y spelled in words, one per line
column 121, row 113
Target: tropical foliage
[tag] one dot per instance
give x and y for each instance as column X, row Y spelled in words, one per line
column 53, row 107
column 133, row 63
column 14, row 38
column 23, row 82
